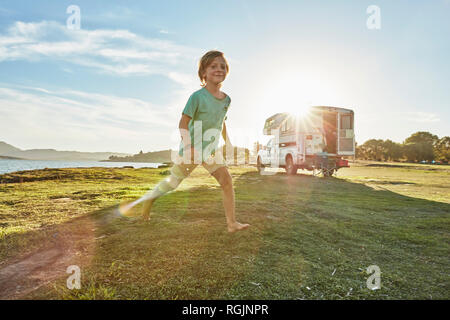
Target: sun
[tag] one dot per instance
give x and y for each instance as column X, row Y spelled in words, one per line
column 296, row 92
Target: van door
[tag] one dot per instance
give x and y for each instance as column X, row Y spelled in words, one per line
column 346, row 137
column 330, row 124
column 275, row 152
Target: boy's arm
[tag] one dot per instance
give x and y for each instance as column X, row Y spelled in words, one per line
column 186, row 138
column 184, row 130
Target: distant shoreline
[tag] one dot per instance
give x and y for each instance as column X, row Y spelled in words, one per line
column 11, row 158
column 14, row 165
column 141, row 161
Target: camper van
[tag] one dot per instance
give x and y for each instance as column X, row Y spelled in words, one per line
column 316, row 140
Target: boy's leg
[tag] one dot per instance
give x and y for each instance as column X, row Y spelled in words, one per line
column 224, row 178
column 177, row 174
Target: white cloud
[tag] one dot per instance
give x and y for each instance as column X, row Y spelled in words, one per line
column 118, row 52
column 422, row 117
column 38, row 117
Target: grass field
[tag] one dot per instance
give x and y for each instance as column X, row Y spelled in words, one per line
column 310, row 237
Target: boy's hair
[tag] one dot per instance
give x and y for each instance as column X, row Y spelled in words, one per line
column 206, row 60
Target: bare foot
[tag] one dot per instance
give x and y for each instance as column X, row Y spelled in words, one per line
column 125, row 208
column 146, row 209
column 237, row 226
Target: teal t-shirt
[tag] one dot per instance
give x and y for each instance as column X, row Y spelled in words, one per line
column 210, row 112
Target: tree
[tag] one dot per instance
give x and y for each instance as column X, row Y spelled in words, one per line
column 420, row 146
column 422, row 137
column 373, row 149
column 392, row 150
column 442, row 149
column 412, row 152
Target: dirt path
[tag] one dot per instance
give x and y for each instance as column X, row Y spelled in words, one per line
column 73, row 243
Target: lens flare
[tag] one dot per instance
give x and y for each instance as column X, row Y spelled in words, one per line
column 125, row 208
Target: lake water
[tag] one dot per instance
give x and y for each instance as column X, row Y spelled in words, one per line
column 7, row 166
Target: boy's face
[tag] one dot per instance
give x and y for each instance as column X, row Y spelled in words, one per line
column 216, row 72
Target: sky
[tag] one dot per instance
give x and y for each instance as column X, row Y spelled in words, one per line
column 120, row 82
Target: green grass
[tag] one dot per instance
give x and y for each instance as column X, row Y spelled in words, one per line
column 310, row 237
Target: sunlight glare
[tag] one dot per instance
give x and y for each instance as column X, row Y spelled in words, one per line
column 296, row 92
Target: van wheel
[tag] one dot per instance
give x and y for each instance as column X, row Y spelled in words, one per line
column 259, row 165
column 291, row 169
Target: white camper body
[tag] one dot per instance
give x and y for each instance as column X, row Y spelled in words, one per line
column 305, row 141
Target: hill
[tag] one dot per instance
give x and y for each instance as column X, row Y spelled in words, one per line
column 154, row 157
column 8, row 150
column 165, row 156
column 10, row 158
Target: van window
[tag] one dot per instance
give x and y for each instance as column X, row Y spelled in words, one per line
column 346, row 121
column 269, row 124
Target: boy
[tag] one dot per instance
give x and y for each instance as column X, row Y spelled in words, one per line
column 203, row 117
